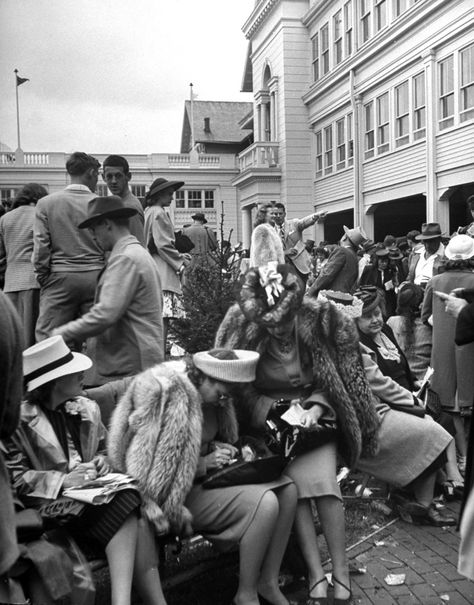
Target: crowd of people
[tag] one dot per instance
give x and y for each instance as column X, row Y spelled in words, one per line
column 371, row 344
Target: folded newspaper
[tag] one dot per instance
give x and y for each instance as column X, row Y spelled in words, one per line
column 101, row 490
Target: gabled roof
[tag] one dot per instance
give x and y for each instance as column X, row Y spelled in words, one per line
column 224, row 118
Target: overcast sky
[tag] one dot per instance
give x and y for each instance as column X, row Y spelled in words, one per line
column 112, row 76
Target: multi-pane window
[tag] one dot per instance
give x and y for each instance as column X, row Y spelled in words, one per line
column 139, row 191
column 350, row 140
column 419, row 107
column 383, row 122
column 319, row 153
column 402, row 5
column 380, row 14
column 365, row 17
column 315, row 59
column 369, row 129
column 328, row 150
column 337, row 25
column 194, row 198
column 348, row 27
column 324, row 49
column 401, row 114
column 446, row 92
column 340, row 144
column 467, row 83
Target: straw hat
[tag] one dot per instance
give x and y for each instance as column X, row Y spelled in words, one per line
column 241, row 369
column 51, row 359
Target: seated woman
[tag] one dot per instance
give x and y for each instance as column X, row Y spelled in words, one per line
column 309, row 353
column 175, row 424
column 57, row 446
column 411, row 448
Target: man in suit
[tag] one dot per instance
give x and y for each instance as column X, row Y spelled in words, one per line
column 67, row 261
column 342, row 269
column 126, row 318
column 116, row 174
column 426, row 261
column 202, row 237
column 291, row 233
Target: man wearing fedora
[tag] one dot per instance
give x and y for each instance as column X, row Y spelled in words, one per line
column 202, row 237
column 66, row 260
column 126, row 318
column 426, row 262
column 342, row 269
column 116, row 174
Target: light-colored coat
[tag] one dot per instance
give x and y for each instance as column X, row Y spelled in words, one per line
column 16, row 248
column 126, row 318
column 293, row 242
column 159, row 240
column 34, row 456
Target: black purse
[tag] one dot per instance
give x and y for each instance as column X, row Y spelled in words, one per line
column 182, row 242
column 289, row 441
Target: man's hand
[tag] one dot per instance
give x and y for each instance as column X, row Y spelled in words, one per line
column 318, row 216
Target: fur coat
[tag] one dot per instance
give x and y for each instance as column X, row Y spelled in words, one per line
column 332, row 340
column 155, row 436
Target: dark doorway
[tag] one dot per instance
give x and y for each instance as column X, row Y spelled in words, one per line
column 399, row 216
column 334, row 223
column 459, row 215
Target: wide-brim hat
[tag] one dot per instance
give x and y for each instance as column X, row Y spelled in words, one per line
column 460, row 247
column 199, row 216
column 370, row 297
column 429, row 231
column 382, row 253
column 241, row 369
column 110, row 206
column 50, row 359
column 356, row 236
column 395, row 254
column 160, row 184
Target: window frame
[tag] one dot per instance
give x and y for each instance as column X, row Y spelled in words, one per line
column 365, row 17
column 348, row 28
column 380, row 7
column 340, row 143
column 328, row 149
column 402, row 117
column 337, row 38
column 315, row 56
column 466, row 112
column 369, row 130
column 324, row 51
column 319, row 153
column 446, row 97
column 419, row 109
column 382, row 127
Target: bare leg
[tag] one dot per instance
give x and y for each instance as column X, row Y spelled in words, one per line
column 331, row 516
column 451, row 467
column 268, row 583
column 307, row 539
column 146, row 576
column 120, row 552
column 253, row 546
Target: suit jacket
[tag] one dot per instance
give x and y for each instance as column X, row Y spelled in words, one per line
column 59, row 246
column 293, row 245
column 126, row 318
column 137, row 222
column 16, row 248
column 159, row 239
column 202, row 237
column 339, row 273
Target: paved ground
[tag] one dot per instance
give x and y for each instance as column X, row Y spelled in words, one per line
column 426, row 556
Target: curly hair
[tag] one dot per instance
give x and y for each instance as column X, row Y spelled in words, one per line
column 261, row 215
column 29, row 194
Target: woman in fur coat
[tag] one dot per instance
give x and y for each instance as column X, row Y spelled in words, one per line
column 173, row 426
column 309, row 353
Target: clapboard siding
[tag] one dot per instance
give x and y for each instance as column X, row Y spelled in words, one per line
column 334, row 187
column 455, row 148
column 392, row 168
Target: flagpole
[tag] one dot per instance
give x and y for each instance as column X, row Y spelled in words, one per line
column 17, row 111
column 192, row 116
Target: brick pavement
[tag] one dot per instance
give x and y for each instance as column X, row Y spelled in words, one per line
column 426, row 555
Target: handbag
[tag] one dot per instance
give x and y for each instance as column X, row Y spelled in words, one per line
column 256, row 464
column 182, row 242
column 289, row 441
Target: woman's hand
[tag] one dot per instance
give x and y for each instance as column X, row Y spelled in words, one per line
column 102, row 465
column 310, row 418
column 233, row 450
column 82, row 474
column 220, row 457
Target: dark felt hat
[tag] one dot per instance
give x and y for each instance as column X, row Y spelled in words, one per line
column 199, row 216
column 370, row 297
column 161, row 184
column 106, row 207
column 429, row 231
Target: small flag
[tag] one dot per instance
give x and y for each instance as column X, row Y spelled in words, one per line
column 20, row 81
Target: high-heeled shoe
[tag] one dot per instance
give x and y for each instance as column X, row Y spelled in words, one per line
column 317, row 600
column 345, row 601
